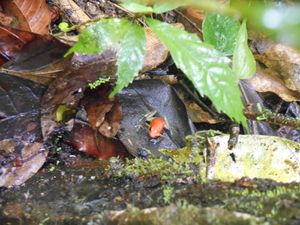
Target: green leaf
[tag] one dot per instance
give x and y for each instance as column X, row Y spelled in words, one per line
column 221, row 31
column 165, row 6
column 137, row 8
column 130, row 57
column 243, row 63
column 100, row 36
column 207, row 68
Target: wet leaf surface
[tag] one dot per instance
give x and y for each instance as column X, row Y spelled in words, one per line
column 89, row 141
column 142, row 97
column 204, row 66
column 130, row 57
column 32, row 56
column 221, row 31
column 21, row 148
column 33, row 16
column 12, row 41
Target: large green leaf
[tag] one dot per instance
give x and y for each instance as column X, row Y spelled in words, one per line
column 100, row 36
column 221, row 31
column 137, row 7
column 244, row 65
column 165, row 6
column 204, row 66
column 130, row 57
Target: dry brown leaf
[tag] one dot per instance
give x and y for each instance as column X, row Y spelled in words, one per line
column 281, row 59
column 5, row 20
column 265, row 80
column 156, row 51
column 198, row 115
column 33, row 16
column 194, row 13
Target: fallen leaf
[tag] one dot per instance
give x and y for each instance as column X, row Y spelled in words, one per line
column 21, row 150
column 5, row 20
column 281, row 59
column 266, row 80
column 32, row 16
column 32, row 56
column 89, row 141
column 103, row 114
column 156, row 51
column 69, row 88
column 12, row 41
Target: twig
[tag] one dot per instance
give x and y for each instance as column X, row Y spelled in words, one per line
column 190, row 21
column 200, row 103
column 74, row 27
column 130, row 14
column 273, row 118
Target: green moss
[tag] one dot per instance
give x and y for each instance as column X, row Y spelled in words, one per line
column 166, row 170
column 275, row 204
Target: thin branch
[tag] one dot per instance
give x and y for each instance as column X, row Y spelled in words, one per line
column 189, row 20
column 74, row 27
column 268, row 116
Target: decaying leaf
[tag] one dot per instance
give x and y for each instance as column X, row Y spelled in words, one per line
column 89, row 141
column 156, row 52
column 266, row 80
column 104, row 115
column 12, row 41
column 21, row 149
column 32, row 56
column 280, row 58
column 5, row 20
column 69, row 88
column 32, row 16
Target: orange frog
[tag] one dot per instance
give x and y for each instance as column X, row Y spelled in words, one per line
column 157, row 126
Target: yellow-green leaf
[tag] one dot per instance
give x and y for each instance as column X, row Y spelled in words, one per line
column 243, row 63
column 206, row 67
column 100, row 36
column 221, row 31
column 130, row 57
column 137, row 8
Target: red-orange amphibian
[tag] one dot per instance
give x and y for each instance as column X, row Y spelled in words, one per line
column 156, row 127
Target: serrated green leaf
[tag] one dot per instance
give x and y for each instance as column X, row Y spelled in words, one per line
column 137, row 8
column 207, row 68
column 100, row 36
column 221, row 31
column 130, row 57
column 165, row 6
column 243, row 63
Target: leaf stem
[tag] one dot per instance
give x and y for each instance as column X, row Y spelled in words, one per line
column 74, row 27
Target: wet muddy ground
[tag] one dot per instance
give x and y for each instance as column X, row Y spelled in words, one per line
column 86, row 195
